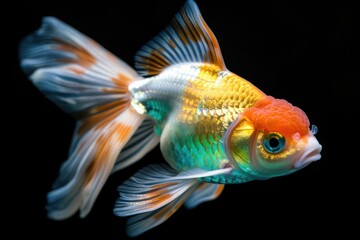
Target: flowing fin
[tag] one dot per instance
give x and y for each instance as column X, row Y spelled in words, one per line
column 143, row 222
column 203, row 193
column 150, row 191
column 84, row 173
column 73, row 71
column 90, row 83
column 187, row 39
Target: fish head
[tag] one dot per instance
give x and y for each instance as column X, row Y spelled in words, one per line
column 272, row 138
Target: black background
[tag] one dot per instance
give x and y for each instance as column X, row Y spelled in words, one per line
column 304, row 53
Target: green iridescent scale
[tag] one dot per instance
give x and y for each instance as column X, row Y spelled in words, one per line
column 192, row 150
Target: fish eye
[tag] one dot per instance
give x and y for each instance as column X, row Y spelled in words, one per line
column 274, row 142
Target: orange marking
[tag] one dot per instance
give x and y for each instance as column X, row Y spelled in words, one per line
column 210, row 33
column 171, row 43
column 96, row 109
column 77, row 71
column 179, row 29
column 155, row 62
column 122, row 81
column 119, row 132
column 152, row 65
column 164, row 197
column 153, row 72
column 101, row 115
column 205, row 57
column 159, row 214
column 219, row 189
column 84, row 58
column 101, row 157
column 211, row 41
column 156, row 55
column 154, row 195
column 192, row 32
column 183, row 38
column 155, row 65
column 109, row 115
column 277, row 115
column 113, row 90
column 123, row 131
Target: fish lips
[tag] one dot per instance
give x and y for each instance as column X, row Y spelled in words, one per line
column 310, row 154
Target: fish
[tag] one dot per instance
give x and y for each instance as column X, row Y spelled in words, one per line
column 213, row 126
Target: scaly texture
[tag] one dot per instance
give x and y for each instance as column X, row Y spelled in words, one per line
column 212, row 99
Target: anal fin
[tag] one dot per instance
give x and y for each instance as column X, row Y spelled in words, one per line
column 154, row 193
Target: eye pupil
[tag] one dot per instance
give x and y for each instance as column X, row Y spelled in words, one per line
column 274, row 142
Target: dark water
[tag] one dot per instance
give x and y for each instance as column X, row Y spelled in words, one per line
column 304, row 53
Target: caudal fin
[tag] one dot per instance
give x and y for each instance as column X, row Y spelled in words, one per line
column 90, row 83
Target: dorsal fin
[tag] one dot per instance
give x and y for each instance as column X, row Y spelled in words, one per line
column 187, row 39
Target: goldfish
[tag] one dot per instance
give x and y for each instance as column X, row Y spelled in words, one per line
column 213, row 126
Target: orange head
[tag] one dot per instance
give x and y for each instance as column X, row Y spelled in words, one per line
column 272, row 138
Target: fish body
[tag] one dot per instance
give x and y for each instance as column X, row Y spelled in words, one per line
column 195, row 106
column 213, row 126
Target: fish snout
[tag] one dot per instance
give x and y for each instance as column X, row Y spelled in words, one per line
column 310, row 154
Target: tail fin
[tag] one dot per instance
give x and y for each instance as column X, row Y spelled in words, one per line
column 90, row 83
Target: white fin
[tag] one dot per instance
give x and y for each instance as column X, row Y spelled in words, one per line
column 73, row 70
column 83, row 175
column 150, row 191
column 87, row 81
column 143, row 222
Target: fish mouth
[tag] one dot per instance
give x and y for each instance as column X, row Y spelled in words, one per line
column 310, row 154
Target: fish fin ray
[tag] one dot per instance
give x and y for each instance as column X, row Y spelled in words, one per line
column 187, row 39
column 148, row 193
column 88, row 82
column 72, row 70
column 84, row 173
column 142, row 142
column 141, row 223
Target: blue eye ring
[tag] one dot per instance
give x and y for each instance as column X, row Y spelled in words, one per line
column 273, row 142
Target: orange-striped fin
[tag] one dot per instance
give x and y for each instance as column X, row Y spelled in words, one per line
column 187, row 39
column 143, row 141
column 90, row 83
column 143, row 222
column 155, row 192
column 89, row 165
column 74, row 71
